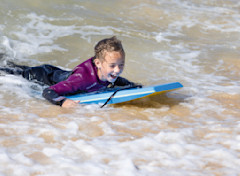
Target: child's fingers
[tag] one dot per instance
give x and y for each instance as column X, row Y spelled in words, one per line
column 78, row 101
column 69, row 103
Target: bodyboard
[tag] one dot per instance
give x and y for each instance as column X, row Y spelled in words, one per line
column 124, row 95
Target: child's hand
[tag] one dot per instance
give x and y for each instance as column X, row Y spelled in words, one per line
column 69, row 103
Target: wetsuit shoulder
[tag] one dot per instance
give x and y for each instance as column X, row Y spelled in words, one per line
column 124, row 82
column 82, row 76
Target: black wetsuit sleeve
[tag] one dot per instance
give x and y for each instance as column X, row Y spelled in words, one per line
column 124, row 82
column 53, row 97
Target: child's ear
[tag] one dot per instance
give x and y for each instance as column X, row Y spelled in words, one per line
column 97, row 63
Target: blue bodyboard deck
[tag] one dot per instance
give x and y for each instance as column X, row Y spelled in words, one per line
column 124, row 95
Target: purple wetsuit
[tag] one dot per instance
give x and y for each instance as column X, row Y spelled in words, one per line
column 84, row 78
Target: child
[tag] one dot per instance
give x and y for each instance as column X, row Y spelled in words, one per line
column 97, row 73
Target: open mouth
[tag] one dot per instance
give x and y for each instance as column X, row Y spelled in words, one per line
column 113, row 76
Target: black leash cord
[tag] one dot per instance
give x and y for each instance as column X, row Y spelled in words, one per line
column 116, row 92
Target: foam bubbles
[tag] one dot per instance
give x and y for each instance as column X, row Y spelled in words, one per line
column 40, row 33
column 6, row 47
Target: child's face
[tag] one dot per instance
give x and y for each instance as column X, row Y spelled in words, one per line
column 111, row 67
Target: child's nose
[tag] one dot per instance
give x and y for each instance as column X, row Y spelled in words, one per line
column 117, row 69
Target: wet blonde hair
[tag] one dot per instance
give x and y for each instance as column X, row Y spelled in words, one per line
column 108, row 45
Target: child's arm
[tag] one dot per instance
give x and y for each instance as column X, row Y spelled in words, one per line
column 54, row 98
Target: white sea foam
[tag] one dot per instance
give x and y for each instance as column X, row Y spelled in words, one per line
column 6, row 47
column 160, row 38
column 39, row 34
column 13, row 84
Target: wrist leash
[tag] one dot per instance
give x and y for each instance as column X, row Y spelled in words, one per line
column 130, row 87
